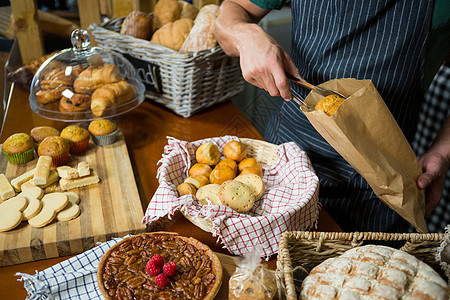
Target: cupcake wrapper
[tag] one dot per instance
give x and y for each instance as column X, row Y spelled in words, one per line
column 79, row 147
column 103, row 140
column 20, row 158
column 60, row 160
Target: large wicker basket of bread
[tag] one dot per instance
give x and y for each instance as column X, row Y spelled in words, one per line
column 361, row 265
column 176, row 54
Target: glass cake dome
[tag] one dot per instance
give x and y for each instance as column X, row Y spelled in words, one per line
column 84, row 83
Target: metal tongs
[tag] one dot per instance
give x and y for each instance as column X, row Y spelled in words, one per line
column 304, row 83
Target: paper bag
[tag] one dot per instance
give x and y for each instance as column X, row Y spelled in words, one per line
column 364, row 132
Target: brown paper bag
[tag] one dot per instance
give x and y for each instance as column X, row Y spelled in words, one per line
column 364, row 132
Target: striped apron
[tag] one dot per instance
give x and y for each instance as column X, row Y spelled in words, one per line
column 381, row 40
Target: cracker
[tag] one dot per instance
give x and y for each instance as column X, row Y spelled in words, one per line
column 11, row 212
column 254, row 182
column 68, row 184
column 210, row 191
column 51, row 205
column 6, row 189
column 236, row 195
column 72, row 210
column 42, row 170
column 19, row 180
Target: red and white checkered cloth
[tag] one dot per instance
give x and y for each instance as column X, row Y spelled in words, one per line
column 290, row 201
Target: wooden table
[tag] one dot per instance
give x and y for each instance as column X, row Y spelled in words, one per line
column 145, row 129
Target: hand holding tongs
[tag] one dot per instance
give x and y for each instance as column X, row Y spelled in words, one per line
column 304, row 83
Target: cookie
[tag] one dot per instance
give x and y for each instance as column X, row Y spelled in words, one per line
column 42, row 170
column 34, row 206
column 68, row 184
column 19, row 180
column 6, row 189
column 72, row 210
column 210, row 191
column 67, row 172
column 52, row 178
column 51, row 205
column 254, row 182
column 11, row 212
column 83, row 168
column 236, row 195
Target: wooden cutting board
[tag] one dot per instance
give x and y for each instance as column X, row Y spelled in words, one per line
column 110, row 208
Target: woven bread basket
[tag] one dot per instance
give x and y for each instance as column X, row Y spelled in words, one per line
column 263, row 152
column 189, row 82
column 307, row 249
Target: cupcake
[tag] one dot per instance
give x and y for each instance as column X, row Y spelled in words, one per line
column 78, row 138
column 104, row 132
column 41, row 132
column 19, row 148
column 57, row 147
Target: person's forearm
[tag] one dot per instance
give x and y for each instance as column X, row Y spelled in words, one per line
column 234, row 23
column 441, row 143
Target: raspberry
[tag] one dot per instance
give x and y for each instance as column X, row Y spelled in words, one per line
column 152, row 269
column 158, row 260
column 161, row 280
column 170, row 268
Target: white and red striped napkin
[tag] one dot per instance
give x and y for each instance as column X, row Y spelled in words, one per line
column 290, row 201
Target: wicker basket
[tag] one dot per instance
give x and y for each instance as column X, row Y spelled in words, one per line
column 183, row 82
column 308, row 249
column 264, row 152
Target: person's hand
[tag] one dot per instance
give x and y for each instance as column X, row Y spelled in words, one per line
column 434, row 166
column 264, row 63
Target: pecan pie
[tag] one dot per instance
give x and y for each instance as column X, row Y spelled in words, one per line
column 122, row 272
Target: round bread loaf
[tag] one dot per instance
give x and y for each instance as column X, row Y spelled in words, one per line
column 249, row 162
column 229, row 163
column 373, row 272
column 221, row 174
column 200, row 169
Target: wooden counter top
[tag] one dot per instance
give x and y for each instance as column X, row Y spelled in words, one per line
column 145, row 130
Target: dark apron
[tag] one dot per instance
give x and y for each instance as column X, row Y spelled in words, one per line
column 379, row 40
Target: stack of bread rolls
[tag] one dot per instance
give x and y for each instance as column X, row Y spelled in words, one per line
column 175, row 24
column 234, row 180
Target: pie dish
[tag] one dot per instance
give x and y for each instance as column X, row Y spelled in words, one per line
column 122, row 269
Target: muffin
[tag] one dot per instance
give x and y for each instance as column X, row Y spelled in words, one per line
column 41, row 132
column 18, row 148
column 104, row 132
column 57, row 147
column 78, row 138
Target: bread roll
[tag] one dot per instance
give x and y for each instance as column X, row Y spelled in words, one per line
column 173, row 34
column 249, row 162
column 329, row 104
column 197, row 180
column 208, row 153
column 109, row 95
column 221, row 174
column 186, row 189
column 228, row 162
column 200, row 169
column 235, row 150
column 76, row 103
column 138, row 24
column 252, row 170
column 201, row 36
column 166, row 11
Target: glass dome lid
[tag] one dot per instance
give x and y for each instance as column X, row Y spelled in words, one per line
column 83, row 83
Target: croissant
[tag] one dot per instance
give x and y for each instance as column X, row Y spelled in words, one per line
column 109, row 95
column 57, row 78
column 93, row 77
column 52, row 95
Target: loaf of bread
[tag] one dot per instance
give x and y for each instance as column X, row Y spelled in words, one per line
column 138, row 24
column 93, row 77
column 187, row 10
column 374, row 272
column 173, row 34
column 110, row 95
column 165, row 11
column 201, row 36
